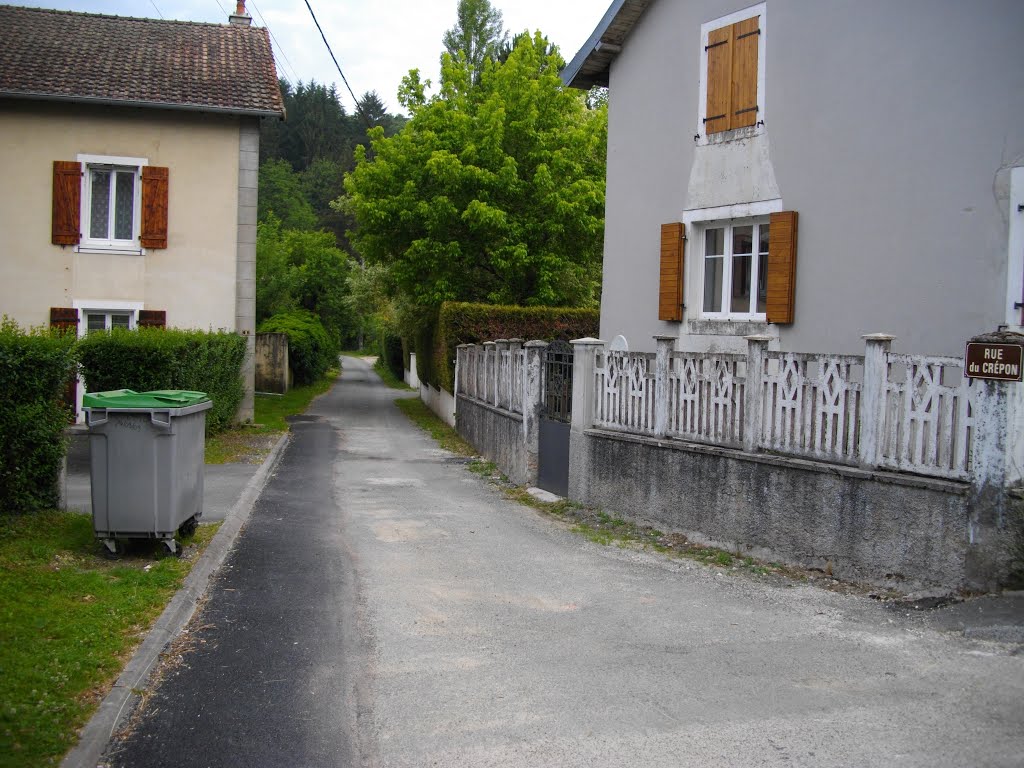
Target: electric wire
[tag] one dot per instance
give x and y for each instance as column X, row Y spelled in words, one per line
column 153, row 3
column 338, row 66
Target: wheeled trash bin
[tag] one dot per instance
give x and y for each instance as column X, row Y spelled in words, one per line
column 146, row 452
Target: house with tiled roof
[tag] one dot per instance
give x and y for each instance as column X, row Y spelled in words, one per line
column 134, row 147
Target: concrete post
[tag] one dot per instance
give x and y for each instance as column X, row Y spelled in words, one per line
column 516, row 377
column 501, row 371
column 583, row 389
column 533, row 393
column 753, row 398
column 490, row 372
column 998, row 409
column 872, row 404
column 461, row 361
column 663, row 349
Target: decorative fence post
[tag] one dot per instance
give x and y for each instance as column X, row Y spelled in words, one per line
column 753, row 394
column 663, row 351
column 490, row 372
column 461, row 363
column 583, row 385
column 502, row 390
column 873, row 398
column 516, row 381
column 533, row 383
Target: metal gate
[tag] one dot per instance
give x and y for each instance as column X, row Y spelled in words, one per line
column 555, row 416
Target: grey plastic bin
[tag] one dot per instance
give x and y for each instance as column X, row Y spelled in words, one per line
column 146, row 457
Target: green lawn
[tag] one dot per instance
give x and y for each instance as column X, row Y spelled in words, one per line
column 69, row 620
column 251, row 442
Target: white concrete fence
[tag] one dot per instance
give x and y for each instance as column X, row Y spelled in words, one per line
column 882, row 410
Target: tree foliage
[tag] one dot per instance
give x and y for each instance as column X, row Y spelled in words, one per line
column 492, row 192
column 477, row 37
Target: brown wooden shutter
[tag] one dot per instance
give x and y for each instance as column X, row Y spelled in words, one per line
column 781, row 267
column 717, row 114
column 65, row 318
column 152, row 318
column 154, row 207
column 67, row 203
column 745, row 36
column 670, row 292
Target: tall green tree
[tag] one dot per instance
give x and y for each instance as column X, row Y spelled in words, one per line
column 493, row 192
column 477, row 37
column 281, row 193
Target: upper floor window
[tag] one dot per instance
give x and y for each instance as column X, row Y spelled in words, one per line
column 732, row 72
column 111, row 202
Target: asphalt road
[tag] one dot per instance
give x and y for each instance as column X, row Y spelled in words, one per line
column 386, row 607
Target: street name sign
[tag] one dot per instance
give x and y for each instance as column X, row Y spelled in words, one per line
column 1000, row 362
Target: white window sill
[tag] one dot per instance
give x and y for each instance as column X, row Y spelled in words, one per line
column 728, row 327
column 735, row 134
column 115, row 251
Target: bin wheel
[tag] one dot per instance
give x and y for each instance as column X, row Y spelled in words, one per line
column 172, row 547
column 188, row 527
column 113, row 548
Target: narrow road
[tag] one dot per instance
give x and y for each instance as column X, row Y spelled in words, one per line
column 386, row 607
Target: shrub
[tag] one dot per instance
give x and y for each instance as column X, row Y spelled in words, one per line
column 168, row 358
column 391, row 355
column 465, row 323
column 34, row 369
column 311, row 352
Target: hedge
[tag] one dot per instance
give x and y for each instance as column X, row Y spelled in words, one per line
column 311, row 352
column 34, row 369
column 168, row 358
column 392, row 356
column 465, row 323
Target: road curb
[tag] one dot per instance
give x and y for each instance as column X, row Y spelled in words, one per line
column 121, row 699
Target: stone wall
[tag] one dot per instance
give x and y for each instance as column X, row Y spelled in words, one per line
column 498, row 435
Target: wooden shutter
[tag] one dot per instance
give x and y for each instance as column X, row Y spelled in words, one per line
column 670, row 292
column 719, row 79
column 732, row 76
column 67, row 203
column 64, row 318
column 152, row 318
column 154, row 207
column 745, row 36
column 781, row 267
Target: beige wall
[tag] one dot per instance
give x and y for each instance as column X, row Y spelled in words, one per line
column 193, row 279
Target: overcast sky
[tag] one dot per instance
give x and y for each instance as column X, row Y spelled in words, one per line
column 375, row 41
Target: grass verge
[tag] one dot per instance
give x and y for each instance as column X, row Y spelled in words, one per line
column 425, row 419
column 250, row 443
column 69, row 621
column 388, row 377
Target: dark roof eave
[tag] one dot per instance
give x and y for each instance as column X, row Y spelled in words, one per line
column 592, row 63
column 103, row 102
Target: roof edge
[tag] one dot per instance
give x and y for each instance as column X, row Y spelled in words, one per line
column 169, row 106
column 596, row 51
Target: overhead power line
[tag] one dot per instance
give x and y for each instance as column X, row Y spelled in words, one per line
column 336, row 64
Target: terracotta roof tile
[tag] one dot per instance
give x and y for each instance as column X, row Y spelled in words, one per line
column 171, row 64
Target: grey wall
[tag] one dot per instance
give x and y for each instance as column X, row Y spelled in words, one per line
column 890, row 127
column 498, row 435
column 864, row 526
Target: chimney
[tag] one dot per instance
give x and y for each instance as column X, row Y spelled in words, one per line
column 240, row 17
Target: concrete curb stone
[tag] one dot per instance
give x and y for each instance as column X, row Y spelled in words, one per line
column 123, row 696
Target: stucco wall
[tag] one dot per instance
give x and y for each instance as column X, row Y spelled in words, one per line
column 889, row 127
column 193, row 279
column 498, row 435
column 874, row 527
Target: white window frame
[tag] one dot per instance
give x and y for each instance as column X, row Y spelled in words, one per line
column 703, row 139
column 1015, row 252
column 110, row 245
column 696, row 222
column 107, row 307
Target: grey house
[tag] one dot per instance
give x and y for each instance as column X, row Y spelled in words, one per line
column 811, row 171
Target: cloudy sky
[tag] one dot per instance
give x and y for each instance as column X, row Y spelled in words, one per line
column 376, row 41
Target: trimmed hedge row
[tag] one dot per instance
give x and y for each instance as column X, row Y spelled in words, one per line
column 392, row 355
column 167, row 358
column 311, row 352
column 34, row 368
column 466, row 323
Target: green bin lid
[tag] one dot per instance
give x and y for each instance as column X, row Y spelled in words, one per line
column 127, row 398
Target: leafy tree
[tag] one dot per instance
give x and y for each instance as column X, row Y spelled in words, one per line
column 477, row 36
column 492, row 193
column 280, row 193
